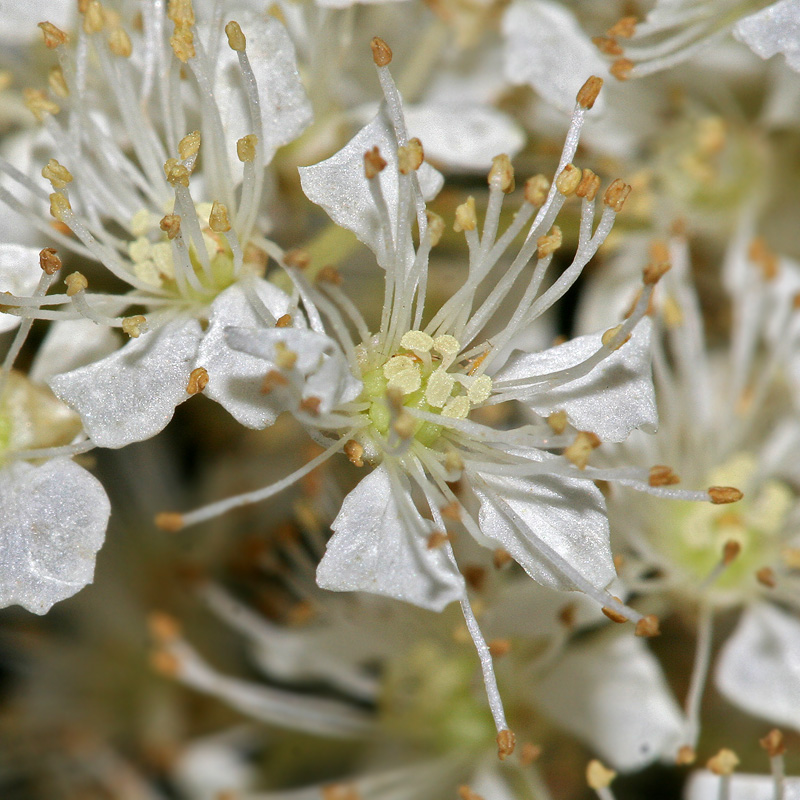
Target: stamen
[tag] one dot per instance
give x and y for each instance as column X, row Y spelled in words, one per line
column 599, row 778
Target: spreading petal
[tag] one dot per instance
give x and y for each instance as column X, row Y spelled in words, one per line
column 759, row 667
column 613, row 399
column 610, row 693
column 546, row 518
column 380, row 546
column 53, row 523
column 69, row 344
column 131, row 395
column 775, row 29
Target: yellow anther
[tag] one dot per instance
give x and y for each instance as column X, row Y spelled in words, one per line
column 284, row 357
column 616, row 194
column 721, row 495
column 599, row 776
column 558, row 421
column 773, row 743
column 246, row 148
column 621, row 69
column 547, row 245
column 466, row 218
column 236, row 39
column 53, row 35
column 171, row 225
column 480, row 389
column 354, row 452
column 587, row 94
column 410, row 157
column 624, row 28
column 182, row 44
column 218, row 219
column 435, row 227
column 58, row 175
column 181, row 12
column 453, row 461
column 611, row 334
column 133, row 326
column 506, row 742
column 381, row 52
column 374, row 163
column 49, row 260
column 119, row 43
column 418, row 341
column 403, row 373
column 60, row 208
column 724, row 762
column 176, row 173
column 648, row 627
column 93, row 18
column 589, row 185
column 56, row 82
column 198, row 380
column 568, row 180
column 456, row 407
column 536, row 189
column 501, row 175
column 440, row 385
column 581, row 448
column 446, row 345
column 661, row 475
column 39, row 104
column 189, row 146
column 76, row 282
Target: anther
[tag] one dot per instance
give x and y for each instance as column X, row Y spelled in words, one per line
column 720, row 495
column 568, row 180
column 599, row 776
column 529, row 754
column 607, row 45
column 499, row 647
column 580, row 449
column 587, row 94
column 381, row 52
column 761, row 255
column 93, row 18
column 298, row 258
column 410, row 156
column 621, row 69
column 536, row 189
column 133, row 326
column 340, row 791
column 723, row 763
column 451, row 511
column 57, row 82
column 501, row 557
column 49, row 260
column 501, row 175
column 465, row 793
column 283, row 321
column 648, row 627
column 435, row 227
column 198, row 380
column 169, row 521
column 163, row 628
column 311, row 405
column 189, row 146
column 730, row 551
column 39, row 104
column 614, row 616
column 246, row 148
column 236, row 39
column 506, row 741
column 557, row 421
column 58, row 175
column 119, row 43
column 405, row 425
column 624, row 28
column 284, row 357
column 329, row 274
column 181, row 12
column 171, row 225
column 616, row 194
column 53, row 35
column 272, row 380
column 218, row 219
column 354, row 452
column 437, row 539
column 655, row 271
column 466, row 218
column 182, row 44
column 589, row 185
column 773, row 743
column 419, row 341
column 76, row 282
column 766, row 577
column 661, row 475
column 547, row 245
column 686, row 755
column 176, row 173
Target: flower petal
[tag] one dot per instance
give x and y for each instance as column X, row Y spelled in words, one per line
column 775, row 29
column 131, row 395
column 613, row 399
column 564, row 515
column 546, row 48
column 69, row 344
column 611, row 693
column 340, row 186
column 235, row 377
column 704, row 785
column 380, row 547
column 759, row 667
column 19, row 274
column 53, row 523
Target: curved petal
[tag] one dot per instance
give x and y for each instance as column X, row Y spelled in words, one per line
column 759, row 667
column 613, row 399
column 380, row 546
column 611, row 693
column 775, row 29
column 69, row 344
column 131, row 395
column 53, row 523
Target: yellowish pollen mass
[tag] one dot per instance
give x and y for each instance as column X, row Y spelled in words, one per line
column 59, row 206
column 58, row 175
column 456, row 407
column 189, row 146
column 246, row 148
column 446, row 345
column 480, row 389
column 410, row 157
column 418, row 341
column 568, row 180
column 466, row 218
column 599, row 776
column 39, row 104
column 76, row 282
column 119, row 43
column 133, row 325
column 236, row 39
column 218, row 219
column 536, row 189
column 403, row 373
column 501, row 175
column 56, row 82
column 440, row 385
column 53, row 35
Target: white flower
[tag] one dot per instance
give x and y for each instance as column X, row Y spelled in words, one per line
column 400, row 399
column 164, row 188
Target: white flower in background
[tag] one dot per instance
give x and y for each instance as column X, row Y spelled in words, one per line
column 728, row 415
column 54, row 513
column 162, row 183
column 401, row 399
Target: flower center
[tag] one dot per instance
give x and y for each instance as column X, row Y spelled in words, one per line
column 424, row 376
column 701, row 531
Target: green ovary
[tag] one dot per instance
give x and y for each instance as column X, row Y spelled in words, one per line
column 696, row 533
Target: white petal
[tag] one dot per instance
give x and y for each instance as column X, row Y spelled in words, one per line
column 775, row 29
column 131, row 395
column 69, row 344
column 704, row 785
column 546, row 48
column 566, row 515
column 610, row 692
column 375, row 548
column 759, row 667
column 234, row 377
column 53, row 523
column 285, row 108
column 340, row 186
column 319, row 361
column 20, row 19
column 19, row 274
column 613, row 399
column 464, row 137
